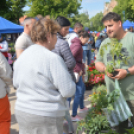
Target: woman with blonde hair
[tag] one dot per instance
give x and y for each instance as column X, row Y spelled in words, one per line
column 43, row 83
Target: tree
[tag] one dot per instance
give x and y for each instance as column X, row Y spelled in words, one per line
column 13, row 9
column 53, row 7
column 3, row 7
column 95, row 23
column 125, row 8
column 83, row 18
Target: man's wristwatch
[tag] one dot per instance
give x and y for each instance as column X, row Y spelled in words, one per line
column 128, row 72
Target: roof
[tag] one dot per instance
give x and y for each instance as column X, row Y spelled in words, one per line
column 128, row 24
column 7, row 26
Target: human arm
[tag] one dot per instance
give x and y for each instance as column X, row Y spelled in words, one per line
column 5, row 73
column 75, row 50
column 20, row 46
column 19, row 52
column 67, row 56
column 61, row 77
column 100, row 66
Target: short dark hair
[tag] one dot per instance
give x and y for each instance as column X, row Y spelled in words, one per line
column 84, row 34
column 62, row 21
column 111, row 16
column 77, row 24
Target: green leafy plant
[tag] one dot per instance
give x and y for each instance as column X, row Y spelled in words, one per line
column 117, row 57
column 112, row 132
column 99, row 99
column 93, row 123
column 130, row 131
column 12, row 50
column 11, row 45
column 109, row 68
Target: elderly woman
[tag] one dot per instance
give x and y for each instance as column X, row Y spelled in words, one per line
column 43, row 83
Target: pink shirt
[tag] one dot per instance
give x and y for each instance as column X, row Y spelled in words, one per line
column 10, row 61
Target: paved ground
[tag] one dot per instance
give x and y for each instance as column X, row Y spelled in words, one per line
column 14, row 124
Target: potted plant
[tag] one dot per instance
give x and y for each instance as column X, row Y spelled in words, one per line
column 93, row 123
column 116, row 54
column 96, row 122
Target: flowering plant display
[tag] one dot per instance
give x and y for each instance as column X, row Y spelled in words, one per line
column 94, row 76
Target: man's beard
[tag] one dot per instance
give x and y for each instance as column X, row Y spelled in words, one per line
column 112, row 36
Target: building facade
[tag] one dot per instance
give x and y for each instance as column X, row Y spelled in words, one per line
column 109, row 6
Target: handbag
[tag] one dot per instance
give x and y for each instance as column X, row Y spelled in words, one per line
column 77, row 76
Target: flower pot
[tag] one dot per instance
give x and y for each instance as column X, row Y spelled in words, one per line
column 115, row 73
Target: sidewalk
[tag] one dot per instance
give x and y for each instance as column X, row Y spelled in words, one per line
column 14, row 124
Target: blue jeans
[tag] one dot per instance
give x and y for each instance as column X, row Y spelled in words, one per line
column 79, row 96
column 69, row 100
column 87, row 53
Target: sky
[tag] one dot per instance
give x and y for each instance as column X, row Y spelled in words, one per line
column 92, row 6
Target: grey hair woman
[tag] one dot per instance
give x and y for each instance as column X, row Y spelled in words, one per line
column 43, row 83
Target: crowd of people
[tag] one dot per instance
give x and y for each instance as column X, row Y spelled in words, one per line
column 50, row 69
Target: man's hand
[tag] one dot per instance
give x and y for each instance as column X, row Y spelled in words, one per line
column 121, row 75
column 109, row 75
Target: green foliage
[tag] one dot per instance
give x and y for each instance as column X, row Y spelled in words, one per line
column 111, row 132
column 13, row 9
column 54, row 8
column 93, row 123
column 126, row 9
column 99, row 99
column 83, row 18
column 117, row 56
column 95, row 23
column 3, row 7
column 131, row 131
column 11, row 45
column 109, row 68
column 11, row 48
